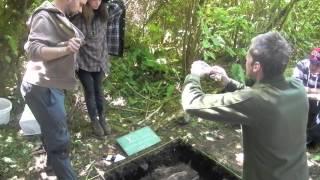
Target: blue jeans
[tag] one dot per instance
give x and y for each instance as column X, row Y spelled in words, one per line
column 47, row 106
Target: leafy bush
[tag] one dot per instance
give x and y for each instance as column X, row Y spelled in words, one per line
column 142, row 73
column 227, row 28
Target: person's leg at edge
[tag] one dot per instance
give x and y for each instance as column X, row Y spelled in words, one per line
column 98, row 79
column 87, row 82
column 313, row 132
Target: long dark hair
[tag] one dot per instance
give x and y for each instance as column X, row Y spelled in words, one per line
column 88, row 13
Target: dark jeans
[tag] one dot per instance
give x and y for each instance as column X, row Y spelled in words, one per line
column 47, row 106
column 313, row 131
column 92, row 85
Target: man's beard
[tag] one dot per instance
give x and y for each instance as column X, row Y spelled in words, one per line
column 249, row 81
column 68, row 9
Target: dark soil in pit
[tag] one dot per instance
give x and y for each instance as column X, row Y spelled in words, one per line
column 178, row 172
column 173, row 161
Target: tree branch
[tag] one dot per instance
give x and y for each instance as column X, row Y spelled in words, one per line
column 282, row 16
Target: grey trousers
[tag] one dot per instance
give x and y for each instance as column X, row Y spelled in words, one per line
column 47, row 106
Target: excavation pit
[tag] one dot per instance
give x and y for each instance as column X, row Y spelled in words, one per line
column 175, row 160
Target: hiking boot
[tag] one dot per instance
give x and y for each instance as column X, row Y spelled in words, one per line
column 105, row 126
column 97, row 129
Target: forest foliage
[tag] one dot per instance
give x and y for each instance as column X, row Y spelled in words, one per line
column 164, row 37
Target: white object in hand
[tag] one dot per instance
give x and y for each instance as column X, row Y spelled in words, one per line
column 217, row 73
column 200, row 68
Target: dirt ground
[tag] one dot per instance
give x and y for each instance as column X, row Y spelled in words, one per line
column 220, row 141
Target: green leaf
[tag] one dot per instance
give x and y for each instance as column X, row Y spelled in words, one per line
column 209, row 55
column 170, row 90
column 316, row 158
column 237, row 72
column 8, row 59
column 13, row 43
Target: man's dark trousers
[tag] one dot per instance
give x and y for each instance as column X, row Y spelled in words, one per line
column 313, row 131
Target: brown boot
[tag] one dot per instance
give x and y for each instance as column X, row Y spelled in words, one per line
column 97, row 129
column 105, row 126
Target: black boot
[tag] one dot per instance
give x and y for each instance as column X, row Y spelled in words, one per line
column 105, row 126
column 97, row 129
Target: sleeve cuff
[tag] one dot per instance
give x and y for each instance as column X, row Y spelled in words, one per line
column 191, row 77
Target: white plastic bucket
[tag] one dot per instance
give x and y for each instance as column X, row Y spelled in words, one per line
column 5, row 108
column 28, row 123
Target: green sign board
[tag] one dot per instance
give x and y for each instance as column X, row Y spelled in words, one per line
column 138, row 140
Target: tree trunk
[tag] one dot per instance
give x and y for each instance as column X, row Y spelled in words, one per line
column 192, row 35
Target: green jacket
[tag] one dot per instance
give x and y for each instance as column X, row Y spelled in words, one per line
column 273, row 115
